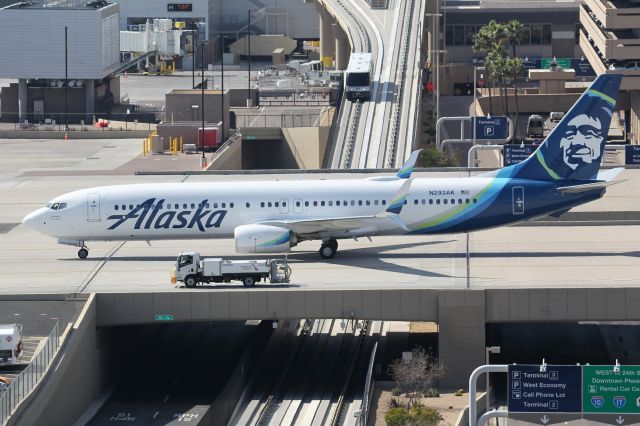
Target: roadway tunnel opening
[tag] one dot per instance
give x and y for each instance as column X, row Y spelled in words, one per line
column 181, row 372
column 595, row 343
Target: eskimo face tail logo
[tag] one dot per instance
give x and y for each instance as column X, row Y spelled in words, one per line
column 151, row 214
column 597, row 401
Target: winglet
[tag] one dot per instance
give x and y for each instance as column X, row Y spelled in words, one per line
column 396, row 203
column 407, row 168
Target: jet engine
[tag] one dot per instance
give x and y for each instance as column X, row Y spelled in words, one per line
column 264, row 239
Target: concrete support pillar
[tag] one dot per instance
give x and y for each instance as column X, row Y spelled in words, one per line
column 343, row 49
column 327, row 37
column 89, row 100
column 461, row 336
column 23, row 100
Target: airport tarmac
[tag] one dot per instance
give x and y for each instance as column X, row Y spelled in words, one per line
column 518, row 257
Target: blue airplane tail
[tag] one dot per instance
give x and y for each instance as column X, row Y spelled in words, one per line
column 575, row 147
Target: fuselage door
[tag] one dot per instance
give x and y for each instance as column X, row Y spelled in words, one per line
column 284, row 206
column 518, row 199
column 297, row 205
column 93, row 207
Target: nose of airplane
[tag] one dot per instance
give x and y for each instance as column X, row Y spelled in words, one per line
column 36, row 220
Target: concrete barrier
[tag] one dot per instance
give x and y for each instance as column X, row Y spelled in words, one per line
column 89, row 134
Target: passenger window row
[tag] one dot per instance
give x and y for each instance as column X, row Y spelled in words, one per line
column 176, row 206
column 277, row 204
column 445, row 201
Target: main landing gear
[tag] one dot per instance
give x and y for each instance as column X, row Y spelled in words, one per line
column 83, row 252
column 328, row 248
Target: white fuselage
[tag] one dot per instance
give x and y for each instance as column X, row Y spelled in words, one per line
column 215, row 209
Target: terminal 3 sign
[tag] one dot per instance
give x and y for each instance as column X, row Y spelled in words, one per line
column 179, row 7
column 562, row 393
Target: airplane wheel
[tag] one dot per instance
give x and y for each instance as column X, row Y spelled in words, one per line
column 190, row 281
column 327, row 251
column 333, row 243
column 248, row 281
column 83, row 253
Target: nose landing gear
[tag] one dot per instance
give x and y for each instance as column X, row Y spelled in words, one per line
column 328, row 248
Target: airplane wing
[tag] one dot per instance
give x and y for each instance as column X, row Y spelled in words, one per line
column 349, row 223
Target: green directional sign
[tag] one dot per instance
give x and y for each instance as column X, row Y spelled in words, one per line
column 250, row 138
column 564, row 63
column 606, row 391
column 164, row 317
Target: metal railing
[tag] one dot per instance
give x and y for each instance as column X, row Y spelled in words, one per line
column 368, row 389
column 27, row 380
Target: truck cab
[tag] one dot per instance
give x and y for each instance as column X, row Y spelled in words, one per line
column 188, row 263
column 10, row 343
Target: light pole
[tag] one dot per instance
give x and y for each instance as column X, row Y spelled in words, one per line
column 489, row 350
column 475, row 83
column 66, row 83
column 203, row 161
column 249, row 103
column 222, row 90
column 193, row 54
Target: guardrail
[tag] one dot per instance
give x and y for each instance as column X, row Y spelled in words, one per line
column 368, row 389
column 27, row 380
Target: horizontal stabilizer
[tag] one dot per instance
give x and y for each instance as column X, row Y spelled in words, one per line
column 576, row 189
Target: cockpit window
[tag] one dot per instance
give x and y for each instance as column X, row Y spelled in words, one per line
column 57, row 206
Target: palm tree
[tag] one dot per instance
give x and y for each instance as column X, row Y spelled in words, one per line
column 482, row 43
column 514, row 31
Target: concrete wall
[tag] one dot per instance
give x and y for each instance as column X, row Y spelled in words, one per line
column 33, row 42
column 54, row 134
column 238, row 97
column 229, row 158
column 307, row 144
column 388, row 305
column 263, row 45
column 180, row 103
column 80, row 369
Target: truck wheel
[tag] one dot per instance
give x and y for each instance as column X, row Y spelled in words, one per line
column 248, row 281
column 190, row 281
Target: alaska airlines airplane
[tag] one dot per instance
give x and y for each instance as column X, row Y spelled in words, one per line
column 270, row 217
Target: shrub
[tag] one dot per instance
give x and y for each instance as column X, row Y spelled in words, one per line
column 416, row 416
column 396, row 391
column 397, row 417
column 431, row 393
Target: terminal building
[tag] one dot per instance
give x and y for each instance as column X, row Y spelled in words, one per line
column 610, row 40
column 293, row 18
column 33, row 52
